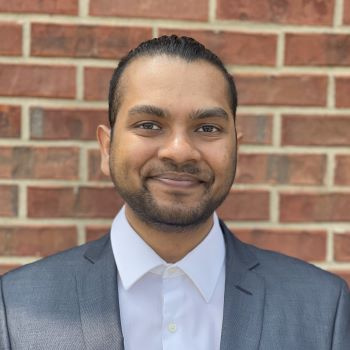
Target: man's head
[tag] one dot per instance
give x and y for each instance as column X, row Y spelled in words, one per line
column 173, row 154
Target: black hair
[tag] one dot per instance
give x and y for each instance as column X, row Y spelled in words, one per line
column 184, row 47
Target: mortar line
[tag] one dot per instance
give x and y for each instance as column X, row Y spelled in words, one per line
column 211, row 11
column 83, row 165
column 330, row 171
column 310, row 226
column 280, row 50
column 81, row 236
column 26, row 39
column 22, row 201
column 17, row 260
column 274, row 206
column 60, row 222
column 155, row 32
column 230, row 25
column 277, row 130
column 331, row 91
column 83, row 8
column 338, row 13
column 25, row 127
column 330, row 247
column 80, row 82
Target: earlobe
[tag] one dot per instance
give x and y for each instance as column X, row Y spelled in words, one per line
column 239, row 139
column 103, row 134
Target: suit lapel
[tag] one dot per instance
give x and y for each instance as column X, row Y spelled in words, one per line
column 98, row 297
column 244, row 297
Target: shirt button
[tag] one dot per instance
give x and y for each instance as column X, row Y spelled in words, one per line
column 172, row 270
column 172, row 327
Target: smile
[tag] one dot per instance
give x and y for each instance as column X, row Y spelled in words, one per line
column 177, row 180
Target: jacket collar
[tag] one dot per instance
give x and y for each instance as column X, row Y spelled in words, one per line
column 98, row 297
column 243, row 301
column 244, row 296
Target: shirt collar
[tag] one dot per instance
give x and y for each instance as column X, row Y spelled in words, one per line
column 135, row 258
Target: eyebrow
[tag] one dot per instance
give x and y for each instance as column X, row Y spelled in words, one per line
column 148, row 109
column 209, row 112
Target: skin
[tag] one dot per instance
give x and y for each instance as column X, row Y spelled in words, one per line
column 174, row 146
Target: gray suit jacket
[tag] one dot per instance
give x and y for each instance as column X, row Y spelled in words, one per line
column 272, row 302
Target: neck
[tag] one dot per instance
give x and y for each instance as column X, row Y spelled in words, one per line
column 170, row 244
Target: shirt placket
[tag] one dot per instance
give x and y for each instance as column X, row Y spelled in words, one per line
column 172, row 337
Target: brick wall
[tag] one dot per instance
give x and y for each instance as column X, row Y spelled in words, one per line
column 291, row 60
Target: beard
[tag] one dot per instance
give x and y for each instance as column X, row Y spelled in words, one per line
column 176, row 215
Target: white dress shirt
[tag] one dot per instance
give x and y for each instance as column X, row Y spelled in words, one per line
column 169, row 306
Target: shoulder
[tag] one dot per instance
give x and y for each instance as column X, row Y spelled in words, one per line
column 55, row 268
column 281, row 272
column 289, row 270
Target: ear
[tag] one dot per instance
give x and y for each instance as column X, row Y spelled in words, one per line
column 104, row 139
column 239, row 139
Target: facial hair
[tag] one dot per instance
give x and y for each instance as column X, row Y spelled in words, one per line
column 178, row 217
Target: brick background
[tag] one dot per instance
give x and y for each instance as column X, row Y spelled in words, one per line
column 291, row 61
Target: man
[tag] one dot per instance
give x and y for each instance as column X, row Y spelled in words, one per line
column 170, row 275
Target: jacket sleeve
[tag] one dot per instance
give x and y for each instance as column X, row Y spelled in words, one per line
column 4, row 338
column 341, row 332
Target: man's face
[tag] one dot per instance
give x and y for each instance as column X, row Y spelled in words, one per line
column 173, row 153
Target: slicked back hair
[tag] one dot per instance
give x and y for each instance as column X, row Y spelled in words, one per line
column 183, row 47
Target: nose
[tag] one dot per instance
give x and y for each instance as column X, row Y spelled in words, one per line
column 179, row 148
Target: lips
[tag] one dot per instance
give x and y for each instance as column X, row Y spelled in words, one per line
column 179, row 180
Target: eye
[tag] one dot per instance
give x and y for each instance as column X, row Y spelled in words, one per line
column 148, row 126
column 208, row 128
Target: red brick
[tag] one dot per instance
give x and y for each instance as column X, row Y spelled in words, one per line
column 36, row 241
column 37, row 81
column 292, row 169
column 65, row 124
column 346, row 12
column 314, row 12
column 10, row 121
column 180, row 9
column 6, row 268
column 58, row 40
column 10, row 39
column 8, row 200
column 314, row 207
column 342, row 88
column 79, row 202
column 255, row 129
column 316, row 130
column 96, row 83
column 245, row 205
column 317, row 50
column 342, row 170
column 234, row 48
column 288, row 90
column 39, row 163
column 345, row 275
column 303, row 244
column 94, row 160
column 342, row 247
column 95, row 232
column 65, row 7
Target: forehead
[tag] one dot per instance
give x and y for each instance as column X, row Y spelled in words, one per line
column 173, row 81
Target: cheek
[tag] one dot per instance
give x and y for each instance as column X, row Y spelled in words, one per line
column 221, row 159
column 130, row 155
